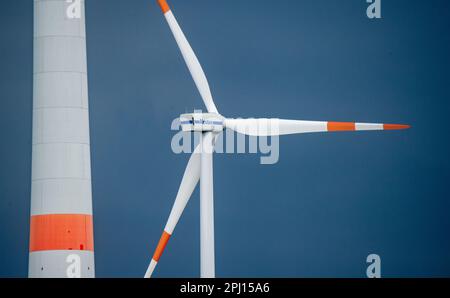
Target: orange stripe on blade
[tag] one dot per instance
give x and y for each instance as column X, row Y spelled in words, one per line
column 61, row 232
column 395, row 126
column 161, row 245
column 164, row 6
column 341, row 126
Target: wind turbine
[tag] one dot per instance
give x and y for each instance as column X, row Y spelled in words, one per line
column 200, row 165
column 61, row 221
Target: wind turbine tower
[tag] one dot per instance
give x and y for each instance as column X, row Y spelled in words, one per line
column 61, row 225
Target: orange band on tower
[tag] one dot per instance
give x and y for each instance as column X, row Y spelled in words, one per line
column 161, row 245
column 164, row 6
column 395, row 126
column 341, row 126
column 61, row 232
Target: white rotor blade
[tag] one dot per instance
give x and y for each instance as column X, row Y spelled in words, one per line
column 278, row 127
column 188, row 183
column 189, row 57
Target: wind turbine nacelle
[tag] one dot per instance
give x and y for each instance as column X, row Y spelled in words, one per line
column 202, row 122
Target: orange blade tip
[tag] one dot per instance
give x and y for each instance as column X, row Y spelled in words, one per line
column 164, row 6
column 161, row 245
column 395, row 126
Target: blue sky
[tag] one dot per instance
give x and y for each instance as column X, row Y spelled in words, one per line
column 331, row 200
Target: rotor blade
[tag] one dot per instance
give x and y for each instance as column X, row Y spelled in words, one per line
column 188, row 183
column 277, row 127
column 189, row 57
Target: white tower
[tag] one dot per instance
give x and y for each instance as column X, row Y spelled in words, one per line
column 61, row 225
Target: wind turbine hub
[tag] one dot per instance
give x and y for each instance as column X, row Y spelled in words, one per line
column 202, row 122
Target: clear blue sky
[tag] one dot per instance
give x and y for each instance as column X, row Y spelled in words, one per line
column 331, row 200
